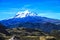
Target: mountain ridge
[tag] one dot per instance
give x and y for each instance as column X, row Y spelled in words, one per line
column 32, row 21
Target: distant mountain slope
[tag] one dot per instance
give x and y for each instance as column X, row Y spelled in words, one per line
column 31, row 20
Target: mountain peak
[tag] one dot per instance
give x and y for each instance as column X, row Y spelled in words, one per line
column 25, row 13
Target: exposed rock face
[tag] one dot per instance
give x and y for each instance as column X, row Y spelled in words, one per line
column 14, row 38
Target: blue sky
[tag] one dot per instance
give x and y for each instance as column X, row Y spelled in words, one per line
column 45, row 8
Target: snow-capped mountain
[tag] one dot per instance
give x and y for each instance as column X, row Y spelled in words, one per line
column 31, row 20
column 24, row 14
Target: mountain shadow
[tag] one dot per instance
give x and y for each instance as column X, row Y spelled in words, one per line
column 3, row 29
